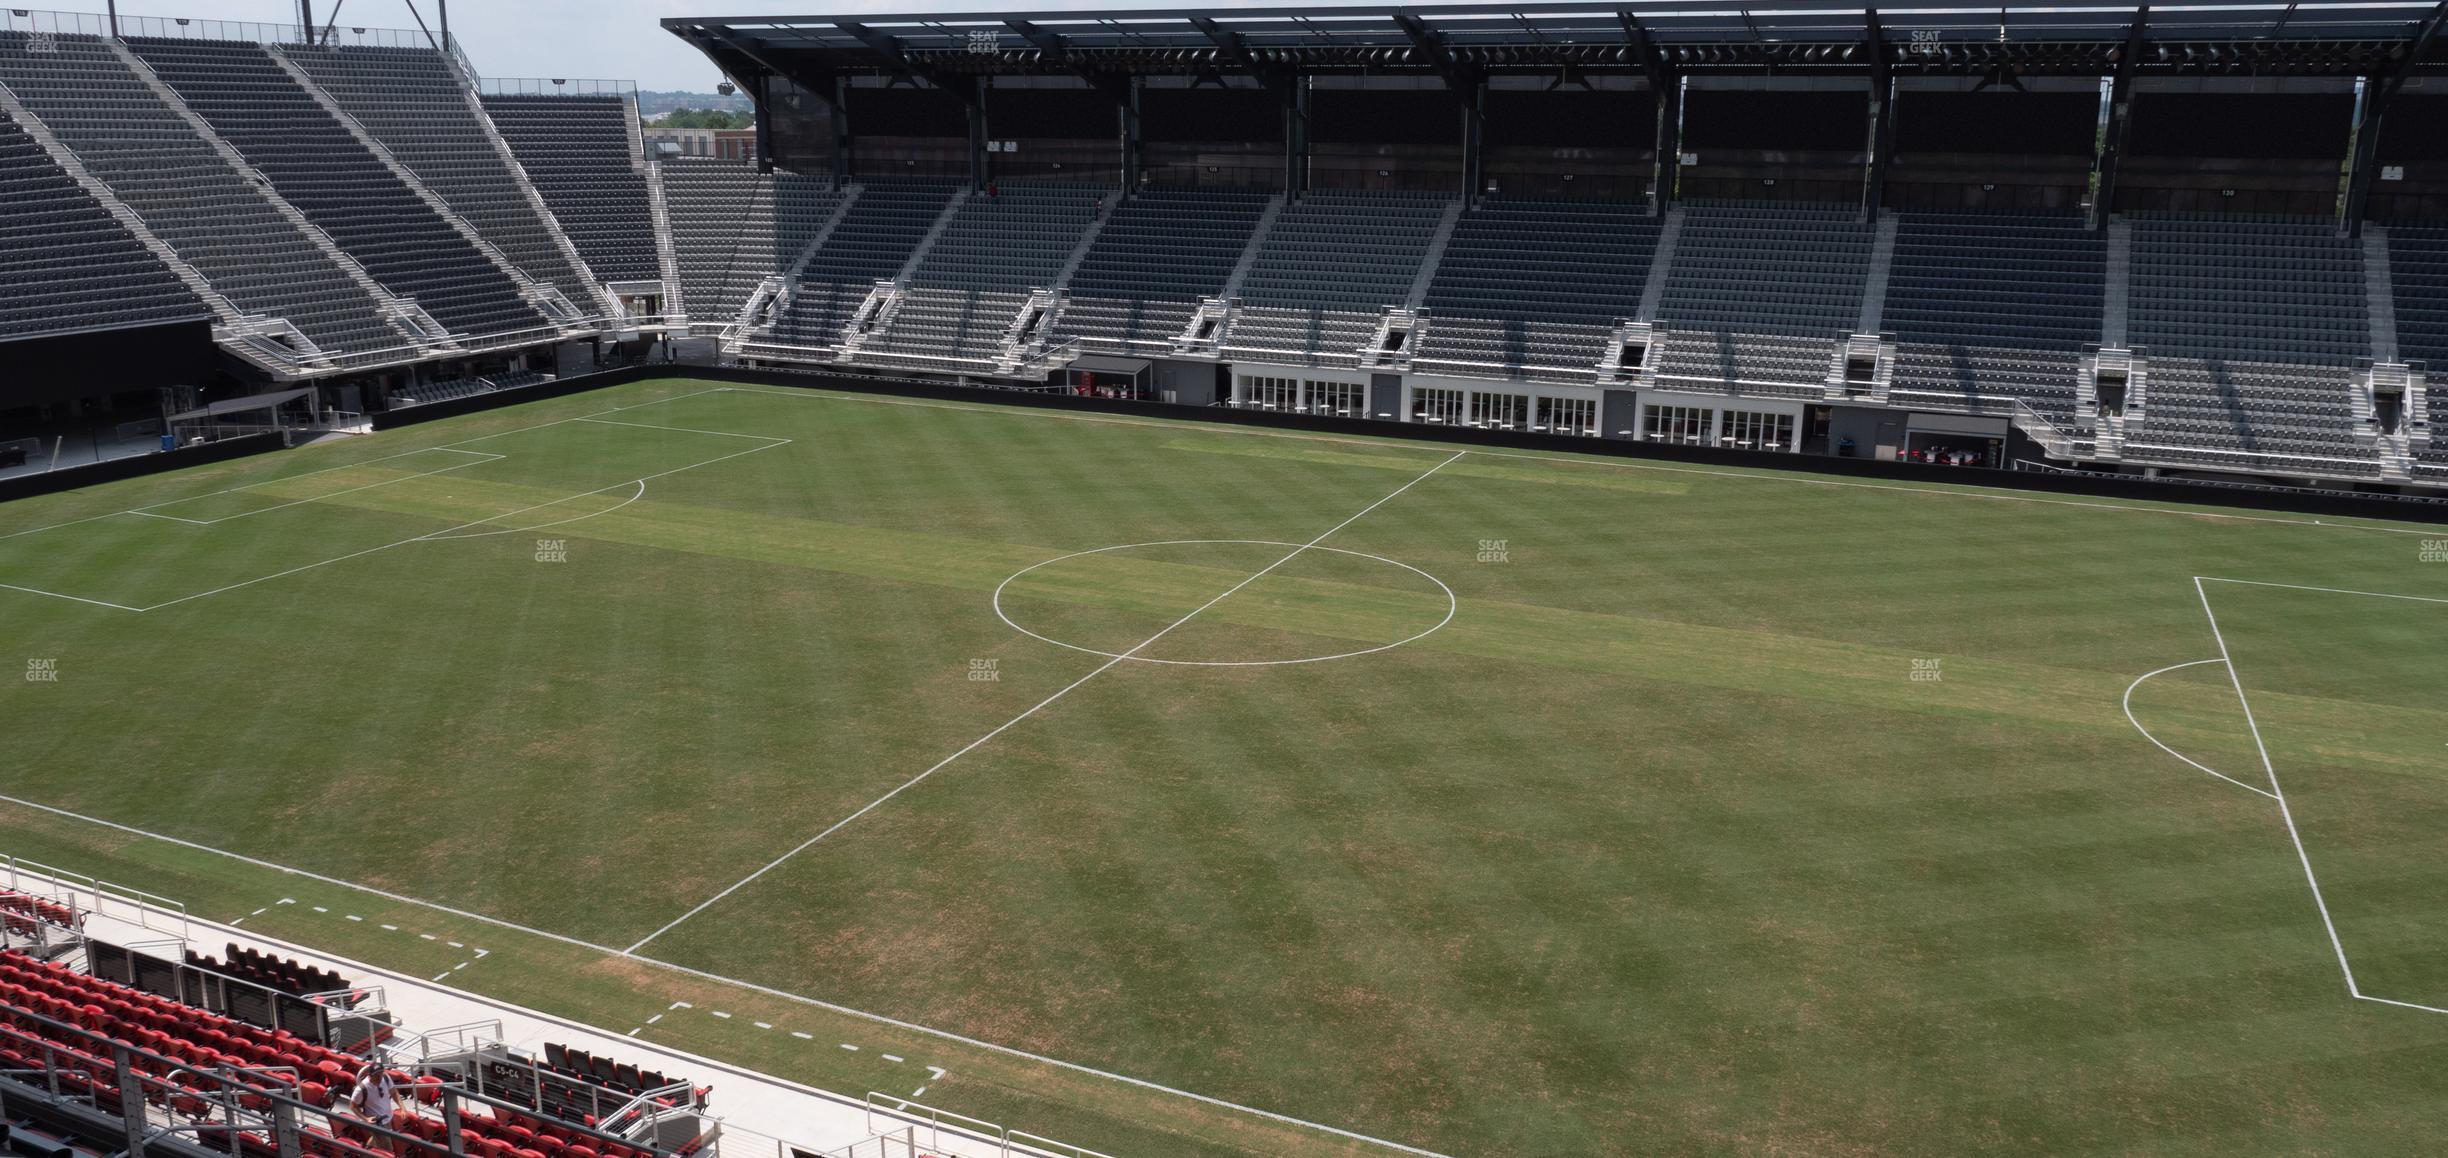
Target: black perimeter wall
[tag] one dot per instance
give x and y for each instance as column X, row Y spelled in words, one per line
column 43, row 370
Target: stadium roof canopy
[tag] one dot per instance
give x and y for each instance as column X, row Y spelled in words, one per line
column 1455, row 40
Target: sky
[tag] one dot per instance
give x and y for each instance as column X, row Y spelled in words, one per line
column 572, row 39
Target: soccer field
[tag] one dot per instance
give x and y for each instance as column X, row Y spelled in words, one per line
column 1489, row 803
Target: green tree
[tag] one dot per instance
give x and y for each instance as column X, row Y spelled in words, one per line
column 704, row 119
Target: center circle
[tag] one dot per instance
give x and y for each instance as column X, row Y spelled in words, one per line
column 1005, row 597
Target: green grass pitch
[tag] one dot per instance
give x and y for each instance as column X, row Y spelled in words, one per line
column 1693, row 810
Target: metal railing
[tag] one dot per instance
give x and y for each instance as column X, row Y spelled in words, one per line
column 536, row 86
column 57, row 23
column 2056, row 439
column 219, row 1108
column 488, row 1067
column 415, row 1047
column 2417, row 500
column 185, row 28
column 926, row 1125
column 76, row 890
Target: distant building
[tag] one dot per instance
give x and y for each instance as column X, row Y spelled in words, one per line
column 653, row 104
column 729, row 144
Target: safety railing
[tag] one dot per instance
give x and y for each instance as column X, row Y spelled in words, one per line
column 415, row 1047
column 56, row 23
column 76, row 890
column 558, row 86
column 186, row 28
column 244, row 1111
column 939, row 1130
column 492, row 1070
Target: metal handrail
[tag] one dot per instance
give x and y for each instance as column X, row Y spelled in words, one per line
column 536, row 86
column 183, row 28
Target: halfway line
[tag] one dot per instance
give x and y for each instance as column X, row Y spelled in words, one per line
column 973, row 745
column 2280, row 793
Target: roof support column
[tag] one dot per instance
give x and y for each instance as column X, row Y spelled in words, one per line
column 1882, row 119
column 1296, row 138
column 2378, row 93
column 1882, row 147
column 2120, row 120
column 1134, row 139
column 1474, row 132
column 764, row 121
column 837, row 107
column 1468, row 84
column 979, row 172
column 2366, row 155
column 1669, row 167
column 1666, row 88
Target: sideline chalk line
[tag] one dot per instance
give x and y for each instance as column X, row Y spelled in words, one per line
column 717, row 978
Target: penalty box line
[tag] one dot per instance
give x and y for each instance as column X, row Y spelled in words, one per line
column 382, row 458
column 2278, row 792
column 478, row 457
column 148, row 508
column 769, row 442
column 1007, row 725
column 454, row 532
column 719, row 979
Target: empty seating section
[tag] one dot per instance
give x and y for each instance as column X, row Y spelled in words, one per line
column 1160, row 253
column 262, row 1060
column 733, row 227
column 1763, row 292
column 1354, row 251
column 411, row 100
column 22, row 912
column 2418, row 263
column 2252, row 325
column 1017, row 239
column 576, row 151
column 1326, row 272
column 621, row 1077
column 315, row 164
column 443, row 390
column 1537, row 285
column 2253, row 416
column 2431, row 464
column 1289, row 334
column 208, row 212
column 1994, row 304
column 2269, row 289
column 65, row 262
column 281, row 1061
column 283, row 974
column 709, row 203
column 873, row 240
column 973, row 281
column 957, row 331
